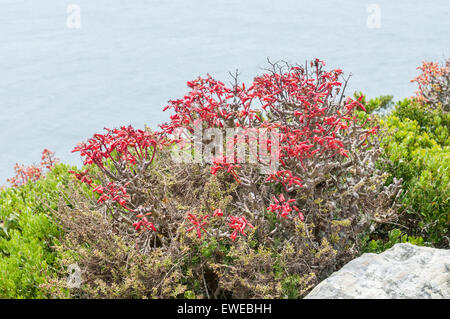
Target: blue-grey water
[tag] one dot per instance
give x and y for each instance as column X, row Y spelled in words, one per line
column 59, row 85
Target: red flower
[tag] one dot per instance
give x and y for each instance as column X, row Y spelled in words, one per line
column 282, row 206
column 218, row 212
column 197, row 223
column 238, row 224
column 32, row 173
column 221, row 164
column 98, row 189
column 144, row 223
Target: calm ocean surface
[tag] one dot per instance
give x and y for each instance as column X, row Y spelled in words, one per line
column 59, row 85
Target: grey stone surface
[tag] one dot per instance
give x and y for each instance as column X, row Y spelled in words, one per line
column 404, row 271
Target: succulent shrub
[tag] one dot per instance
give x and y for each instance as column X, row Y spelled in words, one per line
column 434, row 85
column 225, row 224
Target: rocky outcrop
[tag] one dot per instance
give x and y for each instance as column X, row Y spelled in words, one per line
column 404, row 271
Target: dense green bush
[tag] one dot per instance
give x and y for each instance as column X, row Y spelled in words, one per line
column 416, row 143
column 27, row 233
column 394, row 236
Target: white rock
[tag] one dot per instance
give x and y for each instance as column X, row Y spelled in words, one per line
column 404, row 271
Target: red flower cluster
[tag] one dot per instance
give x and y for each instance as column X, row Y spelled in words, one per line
column 24, row 174
column 285, row 177
column 83, row 177
column 431, row 80
column 125, row 145
column 114, row 192
column 218, row 213
column 238, row 224
column 120, row 154
column 48, row 159
column 144, row 223
column 197, row 224
column 283, row 207
column 208, row 99
column 309, row 129
column 221, row 164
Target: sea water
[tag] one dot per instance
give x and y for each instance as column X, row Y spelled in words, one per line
column 65, row 77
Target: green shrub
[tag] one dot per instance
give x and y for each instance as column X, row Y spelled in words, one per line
column 395, row 236
column 382, row 103
column 435, row 123
column 27, row 233
column 416, row 143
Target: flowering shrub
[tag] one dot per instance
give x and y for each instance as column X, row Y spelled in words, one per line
column 325, row 192
column 434, row 85
column 24, row 174
column 123, row 156
column 321, row 141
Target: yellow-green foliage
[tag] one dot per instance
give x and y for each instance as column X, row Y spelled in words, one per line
column 418, row 146
column 27, row 232
column 395, row 236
